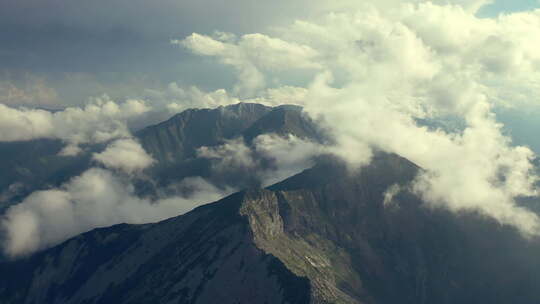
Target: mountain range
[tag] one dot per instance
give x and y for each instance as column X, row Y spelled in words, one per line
column 33, row 165
column 328, row 234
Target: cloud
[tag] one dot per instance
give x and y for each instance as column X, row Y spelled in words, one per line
column 99, row 121
column 121, row 52
column 97, row 198
column 252, row 54
column 24, row 124
column 126, row 155
column 33, row 91
column 10, row 192
column 476, row 170
column 70, row 150
column 382, row 66
column 232, row 154
column 270, row 159
column 390, row 194
column 175, row 98
column 290, row 155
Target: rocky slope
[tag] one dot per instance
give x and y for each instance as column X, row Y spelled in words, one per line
column 206, row 255
column 327, row 235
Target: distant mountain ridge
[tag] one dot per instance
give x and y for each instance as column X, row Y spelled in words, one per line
column 178, row 138
column 174, row 143
column 35, row 165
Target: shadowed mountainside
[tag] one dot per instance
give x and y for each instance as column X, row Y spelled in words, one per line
column 326, row 235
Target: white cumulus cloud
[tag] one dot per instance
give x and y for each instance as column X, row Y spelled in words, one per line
column 126, row 155
column 99, row 121
column 381, row 65
column 251, row 55
column 97, row 198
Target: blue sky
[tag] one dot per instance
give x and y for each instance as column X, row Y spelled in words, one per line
column 506, row 6
column 522, row 126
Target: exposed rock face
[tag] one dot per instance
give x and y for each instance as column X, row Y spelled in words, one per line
column 206, row 256
column 311, row 220
column 340, row 230
column 327, row 235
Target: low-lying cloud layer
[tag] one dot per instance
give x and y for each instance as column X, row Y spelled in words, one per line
column 99, row 121
column 270, row 158
column 97, row 198
column 126, row 155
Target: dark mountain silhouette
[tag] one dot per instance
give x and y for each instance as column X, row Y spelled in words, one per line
column 30, row 165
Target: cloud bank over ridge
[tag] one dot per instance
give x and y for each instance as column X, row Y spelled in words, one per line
column 101, row 197
column 99, row 121
column 378, row 70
